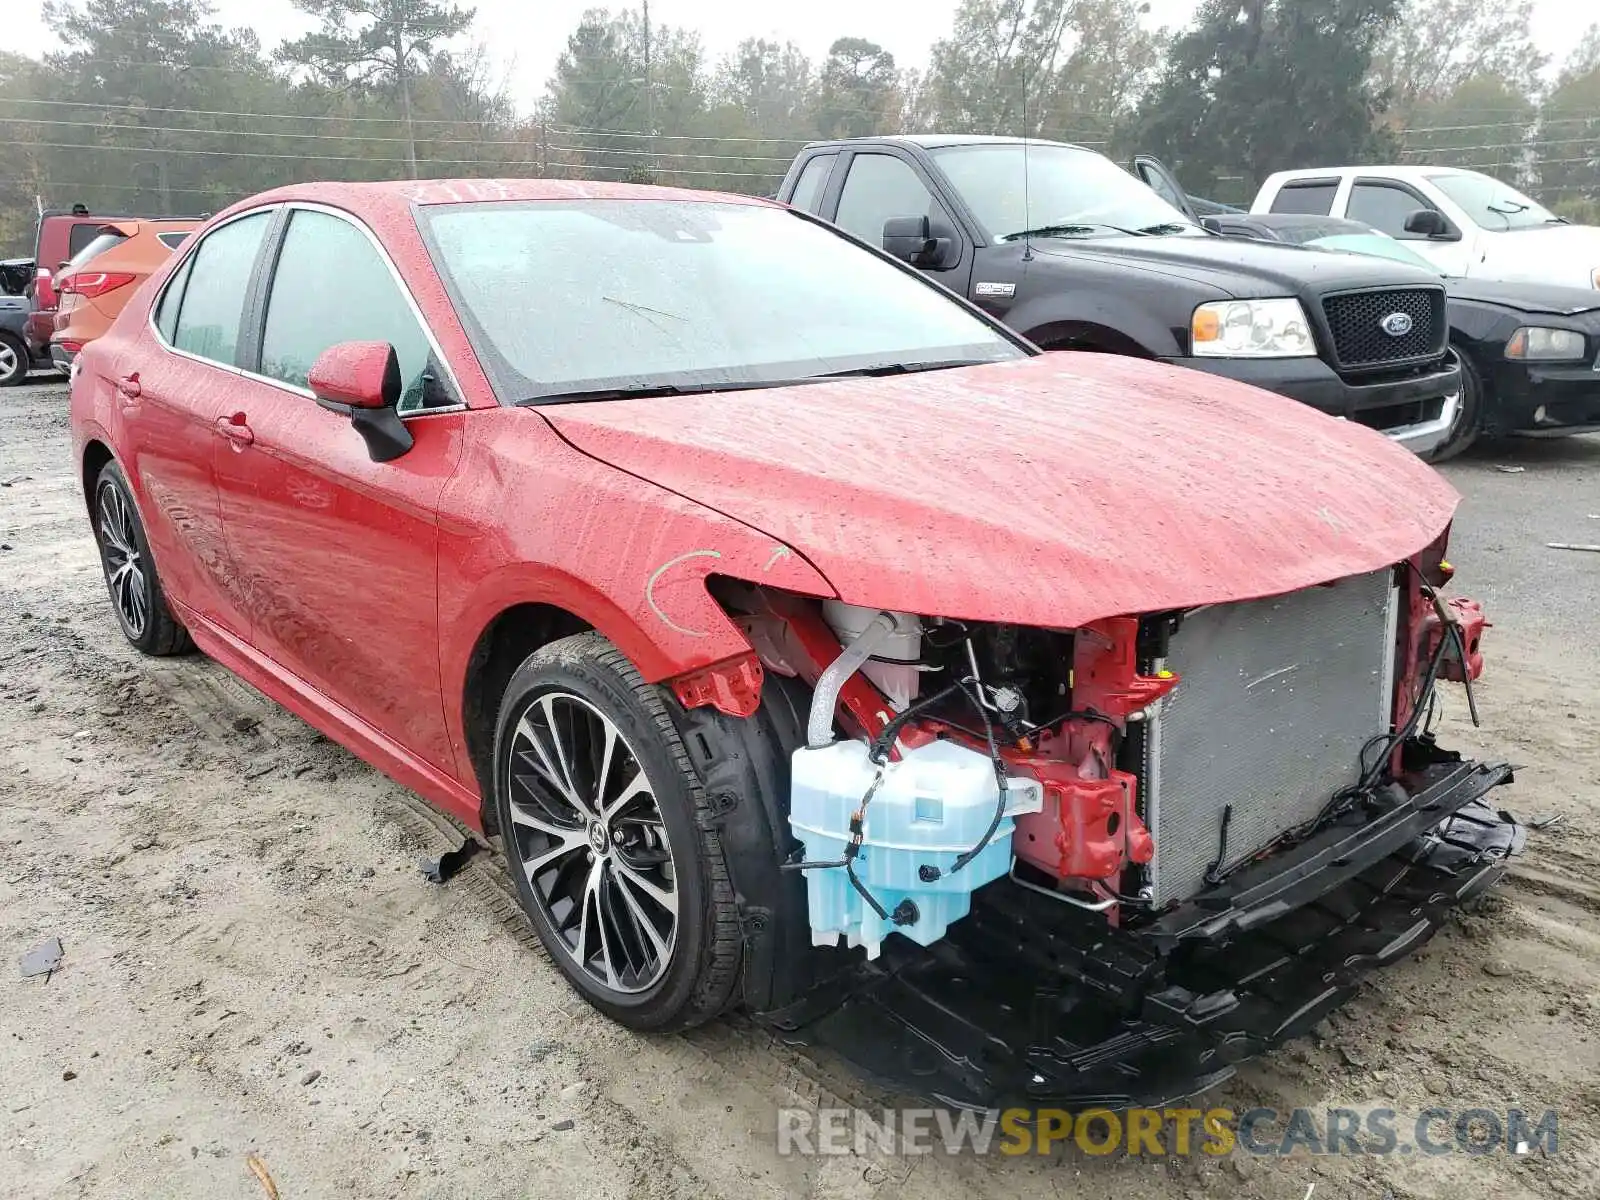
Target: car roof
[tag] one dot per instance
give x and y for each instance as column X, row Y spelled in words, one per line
column 395, row 196
column 933, row 141
column 1399, row 171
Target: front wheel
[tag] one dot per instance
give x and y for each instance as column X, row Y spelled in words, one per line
column 607, row 834
column 1469, row 414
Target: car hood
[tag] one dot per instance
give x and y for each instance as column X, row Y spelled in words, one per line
column 1526, row 297
column 1053, row 490
column 1242, row 268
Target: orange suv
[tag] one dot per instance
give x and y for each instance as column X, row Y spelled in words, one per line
column 99, row 279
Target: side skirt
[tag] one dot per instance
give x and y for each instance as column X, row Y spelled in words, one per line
column 333, row 719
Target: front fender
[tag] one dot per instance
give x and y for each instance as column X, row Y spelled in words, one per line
column 1099, row 309
column 530, row 519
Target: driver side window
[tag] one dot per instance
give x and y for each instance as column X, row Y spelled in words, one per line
column 879, row 187
column 331, row 285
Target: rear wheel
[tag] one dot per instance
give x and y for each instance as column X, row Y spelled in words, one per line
column 607, row 833
column 136, row 594
column 1469, row 414
column 13, row 360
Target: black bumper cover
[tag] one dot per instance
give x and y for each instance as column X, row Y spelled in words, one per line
column 1568, row 394
column 1380, row 401
column 1030, row 1002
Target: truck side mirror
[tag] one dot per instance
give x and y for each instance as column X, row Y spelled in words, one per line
column 1427, row 222
column 911, row 239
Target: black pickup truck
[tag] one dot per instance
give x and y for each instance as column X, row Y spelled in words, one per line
column 1075, row 253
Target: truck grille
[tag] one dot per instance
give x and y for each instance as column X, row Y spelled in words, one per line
column 1355, row 319
column 1276, row 699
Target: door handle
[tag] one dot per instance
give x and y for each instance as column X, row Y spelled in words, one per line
column 128, row 385
column 235, row 430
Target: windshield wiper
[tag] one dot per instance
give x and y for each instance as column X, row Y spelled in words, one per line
column 651, row 390
column 1557, row 221
column 1069, row 230
column 903, row 368
column 647, row 391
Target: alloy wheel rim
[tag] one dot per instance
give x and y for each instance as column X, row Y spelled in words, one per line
column 8, row 360
column 588, row 834
column 125, row 566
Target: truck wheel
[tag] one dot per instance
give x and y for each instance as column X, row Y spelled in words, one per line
column 136, row 593
column 1469, row 414
column 609, row 838
column 14, row 360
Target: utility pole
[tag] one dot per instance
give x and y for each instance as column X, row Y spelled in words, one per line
column 649, row 90
column 401, row 73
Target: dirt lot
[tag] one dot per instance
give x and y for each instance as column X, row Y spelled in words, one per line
column 254, row 964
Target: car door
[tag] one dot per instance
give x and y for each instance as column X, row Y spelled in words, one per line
column 1385, row 204
column 1153, row 172
column 880, row 186
column 169, row 396
column 335, row 553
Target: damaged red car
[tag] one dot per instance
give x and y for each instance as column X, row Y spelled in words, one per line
column 1024, row 727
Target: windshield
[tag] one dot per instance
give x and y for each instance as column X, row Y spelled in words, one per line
column 1071, row 192
column 1380, row 244
column 570, row 296
column 1492, row 204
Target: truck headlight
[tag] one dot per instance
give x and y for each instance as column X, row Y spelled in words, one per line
column 1251, row 329
column 1534, row 343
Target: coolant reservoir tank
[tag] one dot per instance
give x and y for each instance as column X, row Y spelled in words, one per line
column 935, row 803
column 893, row 664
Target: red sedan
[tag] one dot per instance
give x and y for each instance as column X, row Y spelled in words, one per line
column 809, row 642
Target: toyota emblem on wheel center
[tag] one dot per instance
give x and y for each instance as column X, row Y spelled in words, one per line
column 1396, row 324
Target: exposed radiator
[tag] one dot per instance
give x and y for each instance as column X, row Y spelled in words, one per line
column 1276, row 700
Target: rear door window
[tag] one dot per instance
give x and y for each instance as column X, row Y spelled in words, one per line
column 214, row 296
column 1313, row 196
column 813, row 180
column 331, row 286
column 172, row 299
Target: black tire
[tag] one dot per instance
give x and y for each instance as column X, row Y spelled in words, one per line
column 1469, row 414
column 14, row 360
column 590, row 680
column 135, row 592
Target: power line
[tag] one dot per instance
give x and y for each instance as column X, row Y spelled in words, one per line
column 445, row 162
column 336, row 137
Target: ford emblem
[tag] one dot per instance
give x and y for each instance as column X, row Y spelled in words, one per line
column 1396, row 324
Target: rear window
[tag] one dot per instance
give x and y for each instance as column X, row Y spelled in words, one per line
column 106, row 239
column 1313, row 196
column 80, row 236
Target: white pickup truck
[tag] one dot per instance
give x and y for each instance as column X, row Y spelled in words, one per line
column 1468, row 224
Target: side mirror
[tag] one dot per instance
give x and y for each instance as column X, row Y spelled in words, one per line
column 911, row 240
column 362, row 381
column 1427, row 222
column 1214, row 224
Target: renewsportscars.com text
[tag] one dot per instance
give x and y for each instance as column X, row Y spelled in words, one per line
column 1214, row 1132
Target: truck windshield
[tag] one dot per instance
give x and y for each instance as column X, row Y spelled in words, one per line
column 1064, row 190
column 595, row 298
column 1494, row 205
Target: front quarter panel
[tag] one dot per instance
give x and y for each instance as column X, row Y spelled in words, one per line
column 528, row 518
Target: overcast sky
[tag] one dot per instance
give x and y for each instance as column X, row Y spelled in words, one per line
column 526, row 36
